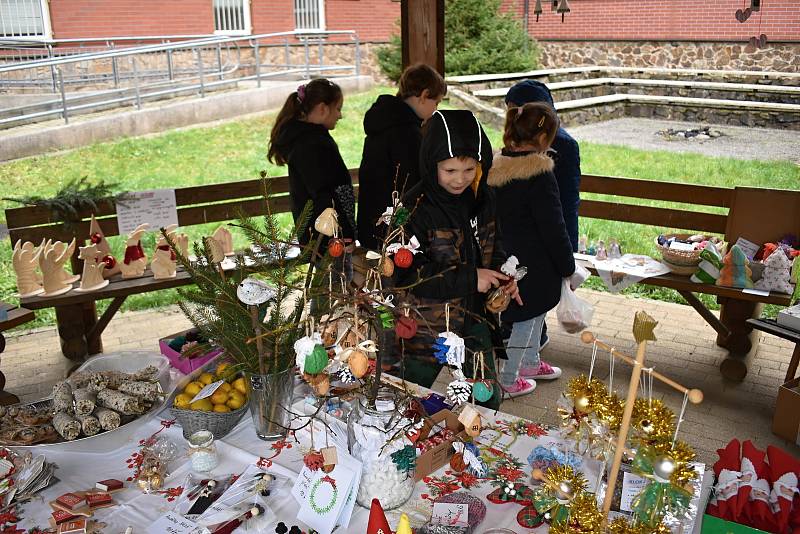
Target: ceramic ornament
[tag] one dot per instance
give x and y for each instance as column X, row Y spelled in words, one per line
column 327, row 222
column 223, row 236
column 24, row 260
column 96, row 237
column 93, row 267
column 777, row 274
column 51, row 261
column 254, row 292
column 135, row 261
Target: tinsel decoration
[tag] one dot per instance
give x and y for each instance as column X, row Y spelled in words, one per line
column 652, row 422
column 405, row 459
column 609, row 412
column 620, row 525
column 459, row 391
column 665, row 467
column 561, row 485
column 584, row 517
column 577, row 407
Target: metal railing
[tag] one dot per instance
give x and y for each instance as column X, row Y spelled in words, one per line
column 113, row 76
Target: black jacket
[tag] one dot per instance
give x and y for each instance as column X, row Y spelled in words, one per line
column 317, row 173
column 532, row 225
column 567, row 170
column 393, row 138
column 457, row 235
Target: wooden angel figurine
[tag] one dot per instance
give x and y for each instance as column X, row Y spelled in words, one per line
column 51, row 261
column 164, row 263
column 24, row 260
column 181, row 241
column 93, row 266
column 97, row 237
column 135, row 260
column 59, row 247
column 223, row 236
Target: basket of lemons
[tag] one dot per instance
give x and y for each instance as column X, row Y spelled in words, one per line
column 218, row 412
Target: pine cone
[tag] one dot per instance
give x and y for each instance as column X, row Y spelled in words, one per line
column 346, row 376
column 459, row 391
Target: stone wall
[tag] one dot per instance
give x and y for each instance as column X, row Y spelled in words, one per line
column 783, row 57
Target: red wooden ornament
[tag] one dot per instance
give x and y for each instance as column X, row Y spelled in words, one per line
column 96, row 238
column 406, row 327
column 314, row 460
column 335, row 247
column 403, row 258
column 110, row 261
column 457, row 462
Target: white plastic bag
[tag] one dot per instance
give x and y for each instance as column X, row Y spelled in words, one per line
column 579, row 276
column 574, row 313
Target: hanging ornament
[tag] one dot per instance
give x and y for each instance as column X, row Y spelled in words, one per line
column 254, row 292
column 314, row 460
column 584, row 517
column 652, row 422
column 386, row 266
column 457, row 463
column 303, row 347
column 403, row 258
column 482, row 390
column 449, row 349
column 498, row 300
column 317, row 361
column 581, row 398
column 458, row 391
column 561, row 486
column 405, row 459
column 668, row 470
column 327, row 222
column 386, row 317
column 321, row 383
column 471, row 419
column 404, row 253
column 336, row 247
column 346, row 376
column 358, row 363
column 400, row 217
column 406, row 327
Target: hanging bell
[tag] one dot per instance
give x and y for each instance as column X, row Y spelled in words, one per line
column 537, row 9
column 563, row 8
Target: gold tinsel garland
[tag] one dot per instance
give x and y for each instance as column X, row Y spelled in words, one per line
column 586, row 394
column 621, row 526
column 651, row 422
column 682, row 455
column 584, row 517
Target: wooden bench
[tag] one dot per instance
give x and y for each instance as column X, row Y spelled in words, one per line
column 79, row 327
column 760, row 215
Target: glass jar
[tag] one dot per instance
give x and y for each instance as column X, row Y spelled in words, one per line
column 203, row 451
column 370, row 432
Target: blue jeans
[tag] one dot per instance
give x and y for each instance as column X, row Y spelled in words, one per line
column 522, row 348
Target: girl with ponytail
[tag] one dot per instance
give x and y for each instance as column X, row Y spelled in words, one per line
column 301, row 140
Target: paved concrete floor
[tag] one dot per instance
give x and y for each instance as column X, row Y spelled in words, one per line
column 737, row 142
column 685, row 351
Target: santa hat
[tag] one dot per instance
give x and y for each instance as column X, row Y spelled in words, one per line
column 784, row 470
column 724, row 502
column 377, row 519
column 753, row 497
column 404, row 526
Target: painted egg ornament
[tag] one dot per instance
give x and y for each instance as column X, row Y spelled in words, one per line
column 358, row 363
column 403, row 258
column 406, row 327
column 482, row 390
column 110, row 261
column 335, row 247
column 387, row 267
column 316, row 361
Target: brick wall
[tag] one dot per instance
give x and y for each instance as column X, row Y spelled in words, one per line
column 372, row 19
column 653, row 20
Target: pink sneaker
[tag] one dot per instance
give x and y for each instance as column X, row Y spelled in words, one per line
column 518, row 388
column 544, row 371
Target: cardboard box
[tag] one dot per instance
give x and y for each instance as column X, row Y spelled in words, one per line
column 715, row 525
column 786, row 421
column 185, row 365
column 434, row 458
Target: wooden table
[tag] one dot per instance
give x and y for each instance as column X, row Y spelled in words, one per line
column 16, row 316
column 770, row 326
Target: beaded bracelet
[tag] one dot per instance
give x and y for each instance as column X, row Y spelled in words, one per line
column 328, row 507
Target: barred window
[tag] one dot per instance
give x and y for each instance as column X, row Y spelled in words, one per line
column 24, row 18
column 309, row 14
column 232, row 17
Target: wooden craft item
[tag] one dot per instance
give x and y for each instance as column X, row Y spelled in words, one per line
column 93, row 267
column 181, row 240
column 135, row 261
column 215, row 250
column 471, row 419
column 52, row 256
column 24, row 260
column 97, row 237
column 223, row 236
column 164, row 264
column 60, row 247
column 327, row 222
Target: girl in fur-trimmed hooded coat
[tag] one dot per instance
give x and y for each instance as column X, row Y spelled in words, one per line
column 533, row 229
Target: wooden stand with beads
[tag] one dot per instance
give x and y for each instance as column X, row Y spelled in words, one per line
column 643, row 326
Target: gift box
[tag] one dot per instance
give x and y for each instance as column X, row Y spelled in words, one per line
column 715, row 525
column 786, row 421
column 438, row 455
column 185, row 365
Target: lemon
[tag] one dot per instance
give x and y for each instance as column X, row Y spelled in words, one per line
column 193, row 388
column 240, row 385
column 235, row 402
column 225, row 387
column 219, row 397
column 221, row 408
column 203, row 405
column 182, row 401
column 206, row 378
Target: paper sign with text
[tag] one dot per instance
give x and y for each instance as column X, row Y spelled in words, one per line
column 172, row 523
column 156, row 207
column 450, row 514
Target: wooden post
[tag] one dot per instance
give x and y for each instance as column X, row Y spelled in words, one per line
column 422, row 33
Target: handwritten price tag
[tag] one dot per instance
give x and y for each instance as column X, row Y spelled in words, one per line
column 208, row 390
column 450, row 514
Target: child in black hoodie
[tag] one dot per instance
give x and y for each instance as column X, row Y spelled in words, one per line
column 460, row 251
column 393, row 128
column 301, row 139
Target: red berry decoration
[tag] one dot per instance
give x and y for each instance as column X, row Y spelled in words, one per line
column 335, row 247
column 406, row 327
column 403, row 258
column 96, row 238
column 110, row 261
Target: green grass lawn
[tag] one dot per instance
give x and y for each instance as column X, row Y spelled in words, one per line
column 237, row 151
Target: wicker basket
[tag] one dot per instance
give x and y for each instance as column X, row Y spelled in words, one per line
column 219, row 424
column 680, row 270
column 679, row 258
